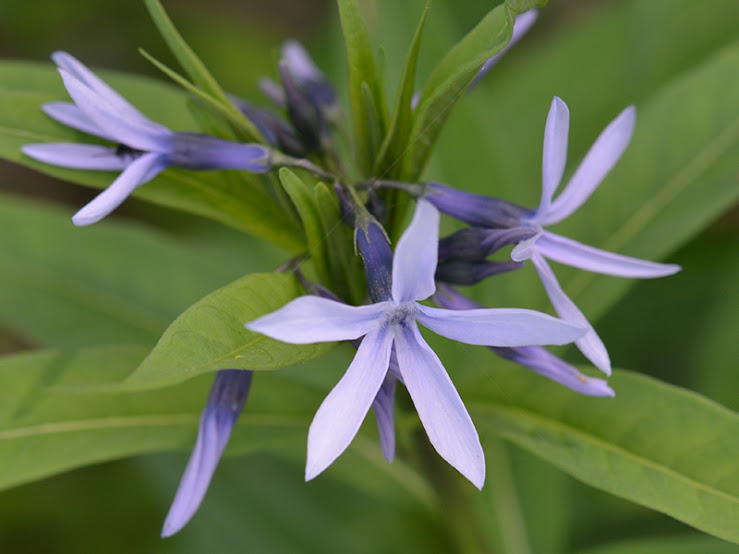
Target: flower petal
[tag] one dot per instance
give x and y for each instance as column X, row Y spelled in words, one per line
column 142, row 170
column 311, row 319
column 384, row 406
column 343, row 410
column 555, row 152
column 589, row 344
column 77, row 156
column 414, row 263
column 498, row 327
column 543, row 362
column 570, row 252
column 599, row 160
column 198, row 151
column 442, row 412
column 71, row 116
column 82, row 73
column 133, row 132
column 225, row 403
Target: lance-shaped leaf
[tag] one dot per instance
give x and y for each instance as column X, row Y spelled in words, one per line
column 47, row 428
column 67, row 287
column 234, row 198
column 655, row 444
column 210, row 335
column 452, row 76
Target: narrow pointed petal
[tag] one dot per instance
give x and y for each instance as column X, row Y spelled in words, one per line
column 521, row 26
column 441, row 410
column 274, row 91
column 570, row 252
column 225, row 403
column 140, row 171
column 81, row 72
column 71, row 116
column 384, row 406
column 599, row 160
column 342, row 412
column 546, row 364
column 526, row 248
column 498, row 327
column 416, row 255
column 310, row 319
column 589, row 344
column 77, row 156
column 300, row 63
column 555, row 152
column 142, row 135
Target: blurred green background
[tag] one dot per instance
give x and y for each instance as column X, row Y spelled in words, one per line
column 260, row 503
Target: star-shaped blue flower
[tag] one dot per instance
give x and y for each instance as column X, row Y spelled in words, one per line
column 392, row 324
column 486, row 211
column 144, row 148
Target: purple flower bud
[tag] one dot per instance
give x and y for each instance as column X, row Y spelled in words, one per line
column 467, row 273
column 374, row 247
column 475, row 209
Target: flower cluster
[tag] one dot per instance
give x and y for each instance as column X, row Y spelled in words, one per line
column 385, row 330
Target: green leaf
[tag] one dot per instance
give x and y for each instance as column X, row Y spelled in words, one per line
column 666, row 448
column 688, row 544
column 361, row 71
column 108, row 284
column 197, row 71
column 396, row 139
column 302, row 197
column 450, row 80
column 210, row 335
column 45, row 429
column 234, row 198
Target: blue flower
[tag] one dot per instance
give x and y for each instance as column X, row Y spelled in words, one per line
column 497, row 213
column 144, row 148
column 391, row 324
column 227, row 397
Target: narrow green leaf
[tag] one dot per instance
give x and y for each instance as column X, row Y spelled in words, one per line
column 197, row 71
column 210, row 335
column 449, row 81
column 372, row 115
column 108, row 284
column 302, row 197
column 688, row 544
column 655, row 444
column 396, row 139
column 361, row 70
column 245, row 127
column 46, row 430
column 234, row 198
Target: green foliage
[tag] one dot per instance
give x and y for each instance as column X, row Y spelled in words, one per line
column 210, row 335
column 69, row 287
column 655, row 444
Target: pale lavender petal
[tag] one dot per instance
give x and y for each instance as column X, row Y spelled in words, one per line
column 441, row 410
column 498, row 326
column 384, row 406
column 142, row 135
column 310, row 319
column 543, row 362
column 71, row 116
column 589, row 344
column 599, row 160
column 273, row 91
column 555, row 152
column 521, row 26
column 140, row 171
column 570, row 252
column 414, row 263
column 81, row 72
column 342, row 412
column 225, row 403
column 77, row 156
